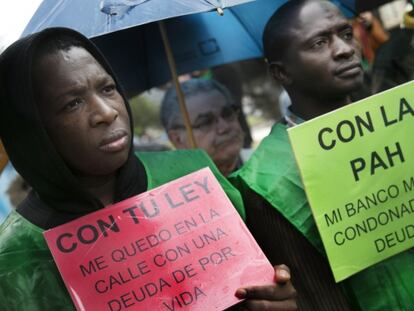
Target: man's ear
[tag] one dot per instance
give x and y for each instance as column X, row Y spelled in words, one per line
column 177, row 138
column 280, row 73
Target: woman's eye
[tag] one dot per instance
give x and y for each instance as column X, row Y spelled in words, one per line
column 109, row 89
column 73, row 104
column 348, row 35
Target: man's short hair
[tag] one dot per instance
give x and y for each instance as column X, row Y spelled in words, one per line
column 276, row 35
column 170, row 109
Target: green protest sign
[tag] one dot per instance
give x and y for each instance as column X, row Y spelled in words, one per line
column 357, row 165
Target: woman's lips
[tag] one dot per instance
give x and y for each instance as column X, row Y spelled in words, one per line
column 115, row 142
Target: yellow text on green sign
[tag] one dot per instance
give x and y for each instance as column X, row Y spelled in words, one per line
column 357, row 165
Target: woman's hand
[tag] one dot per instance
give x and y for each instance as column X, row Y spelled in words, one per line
column 279, row 296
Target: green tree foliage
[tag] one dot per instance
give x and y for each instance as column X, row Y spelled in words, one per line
column 145, row 113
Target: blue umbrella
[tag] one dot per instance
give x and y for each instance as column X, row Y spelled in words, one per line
column 99, row 17
column 198, row 41
column 137, row 54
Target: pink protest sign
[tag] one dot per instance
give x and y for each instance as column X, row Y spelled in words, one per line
column 181, row 246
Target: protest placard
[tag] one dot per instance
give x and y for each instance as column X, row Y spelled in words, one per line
column 180, row 246
column 357, row 166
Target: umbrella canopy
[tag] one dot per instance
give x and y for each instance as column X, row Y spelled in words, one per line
column 197, row 41
column 137, row 54
column 97, row 17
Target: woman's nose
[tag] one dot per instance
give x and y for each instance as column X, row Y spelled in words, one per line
column 102, row 111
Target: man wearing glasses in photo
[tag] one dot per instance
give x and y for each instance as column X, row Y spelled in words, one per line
column 214, row 119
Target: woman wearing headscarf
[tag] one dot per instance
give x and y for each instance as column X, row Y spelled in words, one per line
column 67, row 129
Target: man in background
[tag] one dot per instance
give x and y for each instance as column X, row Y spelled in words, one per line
column 214, row 120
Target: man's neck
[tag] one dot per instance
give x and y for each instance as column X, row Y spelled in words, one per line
column 308, row 108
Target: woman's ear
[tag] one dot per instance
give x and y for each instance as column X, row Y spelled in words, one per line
column 280, row 73
column 177, row 138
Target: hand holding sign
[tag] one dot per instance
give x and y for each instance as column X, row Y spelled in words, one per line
column 180, row 246
column 279, row 296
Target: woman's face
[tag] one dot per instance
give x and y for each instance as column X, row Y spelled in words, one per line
column 83, row 112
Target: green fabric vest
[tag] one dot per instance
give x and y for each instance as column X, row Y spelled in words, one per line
column 272, row 173
column 29, row 279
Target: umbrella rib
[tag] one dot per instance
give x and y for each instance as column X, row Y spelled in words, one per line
column 218, row 5
column 246, row 29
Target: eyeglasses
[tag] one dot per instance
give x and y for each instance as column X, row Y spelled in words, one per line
column 207, row 121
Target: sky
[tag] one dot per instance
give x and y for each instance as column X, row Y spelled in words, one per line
column 14, row 17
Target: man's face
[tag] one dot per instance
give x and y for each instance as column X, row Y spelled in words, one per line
column 322, row 59
column 215, row 126
column 84, row 115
